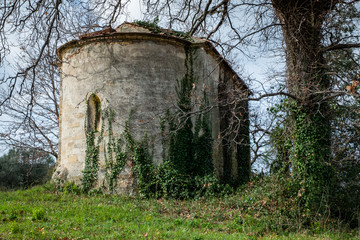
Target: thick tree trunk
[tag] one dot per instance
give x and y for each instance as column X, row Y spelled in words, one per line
column 302, row 24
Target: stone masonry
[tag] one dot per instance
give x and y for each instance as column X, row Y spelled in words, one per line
column 131, row 69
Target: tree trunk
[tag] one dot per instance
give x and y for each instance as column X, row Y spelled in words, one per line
column 306, row 79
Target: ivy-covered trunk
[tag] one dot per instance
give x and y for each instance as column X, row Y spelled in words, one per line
column 308, row 84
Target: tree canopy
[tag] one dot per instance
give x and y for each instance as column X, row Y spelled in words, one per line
column 24, row 168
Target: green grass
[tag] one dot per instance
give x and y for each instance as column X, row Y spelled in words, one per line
column 42, row 213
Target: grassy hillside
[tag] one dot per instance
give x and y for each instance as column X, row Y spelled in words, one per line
column 43, row 213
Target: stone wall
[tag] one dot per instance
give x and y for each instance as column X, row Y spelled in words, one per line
column 132, row 72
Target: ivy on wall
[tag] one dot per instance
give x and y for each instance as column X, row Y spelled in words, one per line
column 190, row 147
column 115, row 155
column 187, row 170
column 90, row 172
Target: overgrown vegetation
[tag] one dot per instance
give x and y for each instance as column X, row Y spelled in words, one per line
column 115, row 156
column 187, row 170
column 155, row 28
column 328, row 188
column 90, row 172
column 190, row 147
column 318, row 144
column 22, row 168
column 265, row 209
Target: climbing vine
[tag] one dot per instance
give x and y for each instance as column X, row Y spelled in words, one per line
column 143, row 168
column 303, row 152
column 90, row 172
column 190, row 148
column 115, row 155
column 154, row 28
column 187, row 170
column 310, row 160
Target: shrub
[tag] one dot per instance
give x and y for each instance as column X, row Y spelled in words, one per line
column 24, row 168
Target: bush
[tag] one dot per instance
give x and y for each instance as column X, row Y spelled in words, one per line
column 24, row 168
column 274, row 204
column 168, row 182
column 171, row 183
column 71, row 187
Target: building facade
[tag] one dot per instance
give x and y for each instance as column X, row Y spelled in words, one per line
column 136, row 73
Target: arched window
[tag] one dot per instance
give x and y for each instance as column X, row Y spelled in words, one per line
column 93, row 113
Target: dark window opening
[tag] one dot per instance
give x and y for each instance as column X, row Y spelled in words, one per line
column 93, row 113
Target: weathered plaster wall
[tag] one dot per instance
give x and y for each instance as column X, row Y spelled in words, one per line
column 137, row 76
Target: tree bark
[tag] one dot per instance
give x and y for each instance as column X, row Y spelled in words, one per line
column 302, row 31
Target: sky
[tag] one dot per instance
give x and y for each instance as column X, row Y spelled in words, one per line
column 255, row 68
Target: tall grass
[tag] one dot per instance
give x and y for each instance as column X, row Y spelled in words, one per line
column 43, row 213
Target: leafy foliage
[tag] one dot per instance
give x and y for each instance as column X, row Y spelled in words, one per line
column 115, row 156
column 24, row 168
column 328, row 186
column 168, row 180
column 311, row 158
column 190, row 148
column 90, row 172
column 155, row 28
column 187, row 170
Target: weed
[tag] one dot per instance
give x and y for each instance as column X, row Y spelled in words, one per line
column 15, row 228
column 13, row 216
column 38, row 214
column 71, row 187
column 116, row 217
